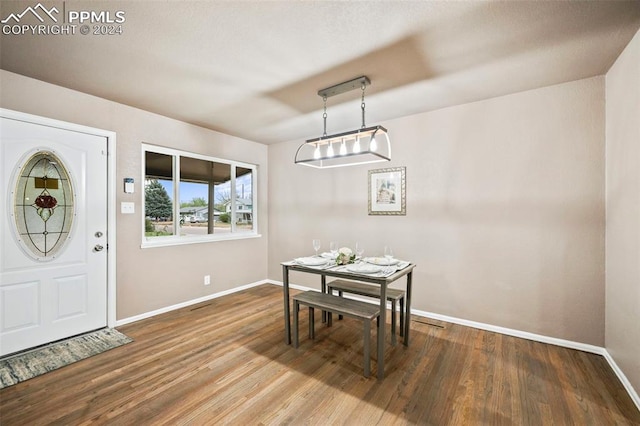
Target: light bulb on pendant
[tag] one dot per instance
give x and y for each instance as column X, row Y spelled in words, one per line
column 356, row 145
column 330, row 150
column 343, row 148
column 316, row 153
column 373, row 144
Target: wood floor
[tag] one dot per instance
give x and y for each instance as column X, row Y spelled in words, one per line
column 225, row 362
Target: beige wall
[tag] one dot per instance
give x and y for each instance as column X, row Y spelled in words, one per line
column 505, row 210
column 623, row 212
column 154, row 278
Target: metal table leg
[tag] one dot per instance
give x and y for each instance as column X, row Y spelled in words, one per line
column 407, row 315
column 285, row 291
column 381, row 329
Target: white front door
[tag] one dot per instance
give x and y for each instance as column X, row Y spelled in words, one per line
column 53, row 233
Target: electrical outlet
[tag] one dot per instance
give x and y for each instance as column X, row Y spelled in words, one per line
column 207, row 279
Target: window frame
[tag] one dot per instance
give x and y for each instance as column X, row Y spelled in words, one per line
column 176, row 239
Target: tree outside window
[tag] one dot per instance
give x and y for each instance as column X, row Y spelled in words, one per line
column 157, row 203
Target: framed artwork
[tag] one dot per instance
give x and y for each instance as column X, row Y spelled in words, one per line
column 387, row 191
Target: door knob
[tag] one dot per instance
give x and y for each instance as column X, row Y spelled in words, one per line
column 98, row 247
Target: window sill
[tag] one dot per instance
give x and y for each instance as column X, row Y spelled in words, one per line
column 180, row 241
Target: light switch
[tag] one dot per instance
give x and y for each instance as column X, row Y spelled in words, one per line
column 127, row 208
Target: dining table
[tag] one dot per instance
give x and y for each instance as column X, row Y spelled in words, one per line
column 382, row 278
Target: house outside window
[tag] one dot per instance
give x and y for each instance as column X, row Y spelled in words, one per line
column 244, row 210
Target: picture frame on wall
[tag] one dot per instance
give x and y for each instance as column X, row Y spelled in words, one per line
column 387, row 191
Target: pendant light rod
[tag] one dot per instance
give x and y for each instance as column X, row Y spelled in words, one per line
column 356, row 83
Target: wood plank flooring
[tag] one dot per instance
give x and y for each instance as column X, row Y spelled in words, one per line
column 225, row 362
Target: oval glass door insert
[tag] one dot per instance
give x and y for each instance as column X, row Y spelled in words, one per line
column 43, row 206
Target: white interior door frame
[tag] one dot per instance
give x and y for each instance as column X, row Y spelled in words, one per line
column 111, row 193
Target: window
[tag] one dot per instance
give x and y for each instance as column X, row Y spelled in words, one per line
column 217, row 198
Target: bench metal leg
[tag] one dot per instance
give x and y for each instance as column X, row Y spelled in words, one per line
column 367, row 348
column 296, row 314
column 402, row 319
column 323, row 288
column 340, row 316
column 312, row 327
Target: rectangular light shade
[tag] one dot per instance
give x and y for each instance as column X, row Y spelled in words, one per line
column 362, row 146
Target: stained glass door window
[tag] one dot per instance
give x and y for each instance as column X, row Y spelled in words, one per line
column 43, row 206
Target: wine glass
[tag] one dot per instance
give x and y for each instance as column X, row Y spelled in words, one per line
column 333, row 246
column 388, row 254
column 359, row 251
column 316, row 246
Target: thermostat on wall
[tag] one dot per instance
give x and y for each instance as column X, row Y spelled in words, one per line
column 128, row 185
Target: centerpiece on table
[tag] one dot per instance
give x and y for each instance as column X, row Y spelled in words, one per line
column 345, row 256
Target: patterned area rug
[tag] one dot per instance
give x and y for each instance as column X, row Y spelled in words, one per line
column 26, row 365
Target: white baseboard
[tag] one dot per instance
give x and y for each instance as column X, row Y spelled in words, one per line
column 512, row 332
column 188, row 303
column 625, row 382
column 482, row 326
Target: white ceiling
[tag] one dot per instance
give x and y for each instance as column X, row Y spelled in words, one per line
column 253, row 68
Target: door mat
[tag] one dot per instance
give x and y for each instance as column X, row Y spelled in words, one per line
column 26, row 365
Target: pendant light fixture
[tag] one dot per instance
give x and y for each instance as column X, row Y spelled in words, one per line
column 361, row 146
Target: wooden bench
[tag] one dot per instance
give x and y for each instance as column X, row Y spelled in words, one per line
column 341, row 306
column 370, row 290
